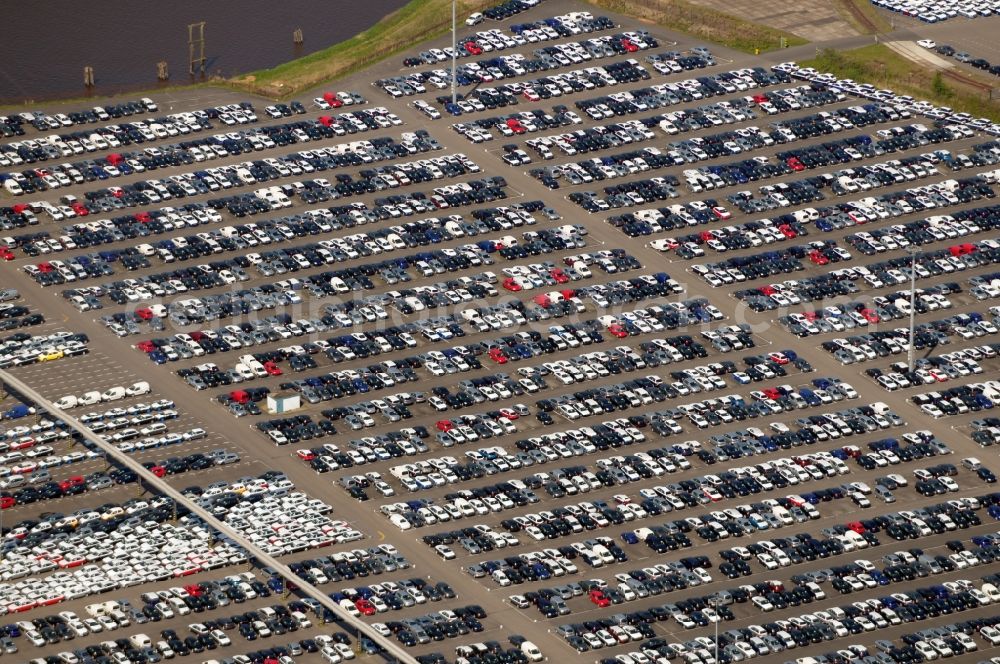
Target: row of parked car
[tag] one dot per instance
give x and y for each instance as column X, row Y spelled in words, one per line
column 869, row 91
column 929, row 230
column 436, row 626
column 23, row 349
column 117, row 164
column 495, row 39
column 282, row 261
column 202, row 181
column 130, row 290
column 844, row 282
column 359, row 563
column 410, row 235
column 510, row 66
column 939, row 11
column 930, row 370
column 13, row 124
column 838, row 318
column 872, row 345
column 624, row 432
column 92, row 233
column 756, row 640
column 973, row 397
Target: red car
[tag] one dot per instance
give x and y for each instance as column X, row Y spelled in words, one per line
column 511, row 284
column 332, row 100
column 617, row 331
column 788, row 231
column 559, row 276
column 365, row 607
column 445, row 425
column 722, row 213
column 598, row 597
column 498, row 356
column 272, row 369
column 6, row 502
column 795, row 164
column 780, row 358
column 515, row 125
column 870, row 315
column 629, row 45
column 818, row 258
column 305, row 455
column 146, row 346
column 6, row 253
column 473, row 48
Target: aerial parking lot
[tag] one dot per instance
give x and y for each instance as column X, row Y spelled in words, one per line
column 608, row 358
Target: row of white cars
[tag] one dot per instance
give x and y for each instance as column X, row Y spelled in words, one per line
column 935, row 11
column 94, row 397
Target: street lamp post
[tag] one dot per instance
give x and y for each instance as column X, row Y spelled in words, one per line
column 913, row 251
column 454, row 52
column 715, row 606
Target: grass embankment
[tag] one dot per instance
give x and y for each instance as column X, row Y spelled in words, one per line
column 415, row 22
column 863, row 16
column 881, row 66
column 705, row 23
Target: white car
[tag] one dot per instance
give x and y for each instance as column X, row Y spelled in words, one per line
column 927, row 43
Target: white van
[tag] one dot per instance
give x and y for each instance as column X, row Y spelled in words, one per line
column 114, row 394
column 66, row 403
column 89, row 398
column 141, row 641
column 531, row 651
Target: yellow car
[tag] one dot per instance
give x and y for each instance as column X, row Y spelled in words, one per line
column 50, row 355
